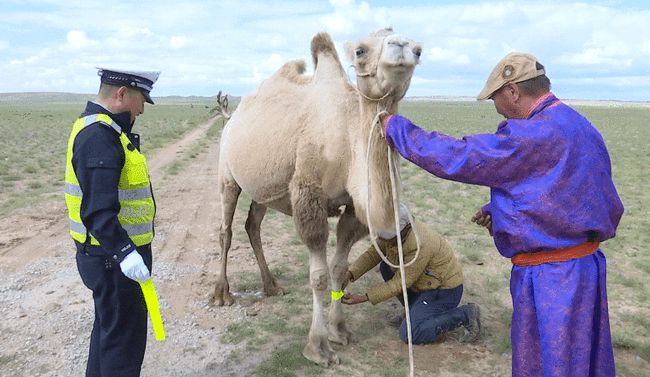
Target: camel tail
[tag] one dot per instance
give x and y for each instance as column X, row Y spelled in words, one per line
column 322, row 43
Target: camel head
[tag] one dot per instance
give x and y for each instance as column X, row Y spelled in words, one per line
column 384, row 62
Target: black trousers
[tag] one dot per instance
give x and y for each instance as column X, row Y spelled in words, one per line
column 119, row 335
column 432, row 312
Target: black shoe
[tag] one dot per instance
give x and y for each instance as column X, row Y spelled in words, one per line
column 473, row 325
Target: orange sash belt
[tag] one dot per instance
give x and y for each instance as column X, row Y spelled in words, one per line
column 560, row 255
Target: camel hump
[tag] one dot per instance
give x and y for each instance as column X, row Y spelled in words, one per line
column 322, row 43
column 293, row 68
column 293, row 71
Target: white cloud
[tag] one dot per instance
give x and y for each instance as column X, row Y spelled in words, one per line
column 492, row 13
column 617, row 81
column 596, row 56
column 338, row 23
column 177, row 42
column 275, row 61
column 77, row 40
column 235, row 45
column 341, row 3
column 32, row 60
column 438, row 54
column 348, row 17
column 129, row 32
column 262, row 69
column 271, row 40
column 254, row 77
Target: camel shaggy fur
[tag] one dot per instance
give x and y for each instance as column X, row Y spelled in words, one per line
column 298, row 145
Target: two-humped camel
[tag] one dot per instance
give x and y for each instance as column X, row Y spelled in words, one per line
column 298, row 145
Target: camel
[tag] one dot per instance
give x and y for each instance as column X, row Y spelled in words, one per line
column 298, row 145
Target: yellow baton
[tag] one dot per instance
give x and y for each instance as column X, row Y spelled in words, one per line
column 153, row 307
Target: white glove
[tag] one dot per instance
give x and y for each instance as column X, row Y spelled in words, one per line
column 133, row 267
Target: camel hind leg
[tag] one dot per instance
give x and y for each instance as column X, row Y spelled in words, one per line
column 256, row 214
column 230, row 191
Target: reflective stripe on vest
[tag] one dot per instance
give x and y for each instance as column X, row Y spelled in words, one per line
column 132, row 230
column 134, row 189
column 135, row 194
column 103, row 118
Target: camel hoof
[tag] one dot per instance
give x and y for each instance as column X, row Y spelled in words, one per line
column 340, row 335
column 222, row 295
column 322, row 357
column 228, row 301
column 275, row 290
column 223, row 299
column 340, row 339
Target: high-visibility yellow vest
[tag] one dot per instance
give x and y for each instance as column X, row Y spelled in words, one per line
column 134, row 189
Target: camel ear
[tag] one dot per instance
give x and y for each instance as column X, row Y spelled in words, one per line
column 417, row 47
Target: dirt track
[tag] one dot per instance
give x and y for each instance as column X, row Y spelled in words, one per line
column 47, row 312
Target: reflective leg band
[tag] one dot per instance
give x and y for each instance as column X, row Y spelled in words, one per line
column 336, row 295
column 151, row 299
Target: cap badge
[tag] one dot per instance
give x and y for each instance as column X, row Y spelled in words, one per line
column 507, row 71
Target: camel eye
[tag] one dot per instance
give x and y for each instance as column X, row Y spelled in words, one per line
column 417, row 52
column 359, row 51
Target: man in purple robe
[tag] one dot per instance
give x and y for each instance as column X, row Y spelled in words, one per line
column 552, row 202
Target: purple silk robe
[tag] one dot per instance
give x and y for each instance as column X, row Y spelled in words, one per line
column 550, row 188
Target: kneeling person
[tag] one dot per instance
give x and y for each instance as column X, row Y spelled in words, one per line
column 434, row 283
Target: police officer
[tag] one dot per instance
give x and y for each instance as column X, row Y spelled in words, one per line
column 111, row 212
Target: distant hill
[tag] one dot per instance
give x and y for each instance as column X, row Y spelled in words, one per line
column 44, row 97
column 57, row 97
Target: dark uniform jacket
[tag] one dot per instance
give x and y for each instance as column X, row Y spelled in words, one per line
column 97, row 160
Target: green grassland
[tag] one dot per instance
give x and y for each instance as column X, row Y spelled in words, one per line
column 35, row 137
column 448, row 206
column 32, row 153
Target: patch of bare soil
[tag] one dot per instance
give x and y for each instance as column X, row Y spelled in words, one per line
column 47, row 312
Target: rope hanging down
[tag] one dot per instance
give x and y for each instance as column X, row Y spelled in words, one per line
column 395, row 180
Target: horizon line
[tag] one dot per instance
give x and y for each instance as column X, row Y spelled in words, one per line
column 460, row 98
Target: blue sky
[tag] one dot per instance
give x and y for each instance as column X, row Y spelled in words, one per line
column 591, row 50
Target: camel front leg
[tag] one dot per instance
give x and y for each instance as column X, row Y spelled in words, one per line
column 310, row 217
column 229, row 194
column 255, row 216
column 348, row 231
column 318, row 348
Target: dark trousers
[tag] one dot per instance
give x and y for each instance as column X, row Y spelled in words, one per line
column 119, row 335
column 432, row 312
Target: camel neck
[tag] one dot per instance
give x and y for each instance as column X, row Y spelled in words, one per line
column 375, row 171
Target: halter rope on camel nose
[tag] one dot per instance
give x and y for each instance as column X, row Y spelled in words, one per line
column 371, row 74
column 362, row 94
